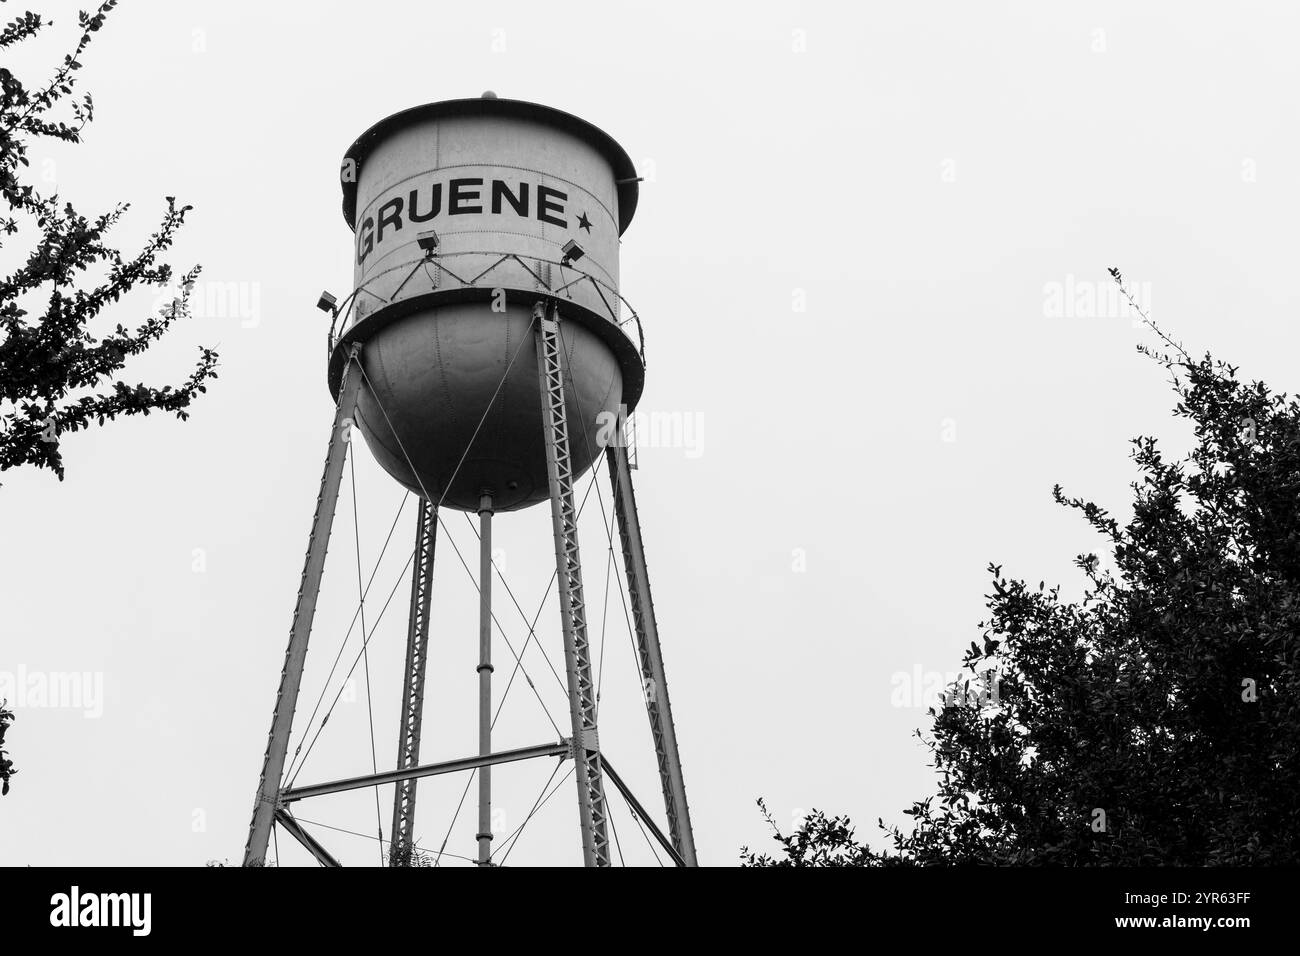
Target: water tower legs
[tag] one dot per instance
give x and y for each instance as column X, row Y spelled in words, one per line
column 647, row 641
column 271, row 805
column 484, row 835
column 417, row 647
column 592, row 814
column 286, row 700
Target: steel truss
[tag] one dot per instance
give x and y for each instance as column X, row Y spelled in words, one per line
column 657, row 705
column 592, row 815
column 286, row 699
column 417, row 647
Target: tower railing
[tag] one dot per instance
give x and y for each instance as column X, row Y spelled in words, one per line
column 347, row 314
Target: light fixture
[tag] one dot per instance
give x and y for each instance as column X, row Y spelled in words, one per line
column 428, row 241
column 572, row 252
column 326, row 303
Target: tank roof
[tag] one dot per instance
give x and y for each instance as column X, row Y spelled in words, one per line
column 494, row 106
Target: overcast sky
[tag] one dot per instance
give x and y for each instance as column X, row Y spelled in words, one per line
column 870, row 256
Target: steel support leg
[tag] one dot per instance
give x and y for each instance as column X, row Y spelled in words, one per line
column 573, row 615
column 286, row 700
column 485, row 679
column 647, row 641
column 417, row 647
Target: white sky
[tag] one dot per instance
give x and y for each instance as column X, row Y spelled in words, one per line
column 918, row 177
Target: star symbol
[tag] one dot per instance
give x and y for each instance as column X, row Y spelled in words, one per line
column 584, row 222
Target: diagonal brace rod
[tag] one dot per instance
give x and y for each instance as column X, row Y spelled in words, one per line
column 639, row 810
column 295, row 830
column 560, row 749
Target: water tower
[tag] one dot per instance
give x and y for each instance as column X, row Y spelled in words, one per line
column 488, row 359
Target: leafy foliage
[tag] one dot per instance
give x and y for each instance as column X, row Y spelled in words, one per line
column 6, row 765
column 1156, row 721
column 221, row 864
column 407, row 855
column 44, row 360
column 818, row 841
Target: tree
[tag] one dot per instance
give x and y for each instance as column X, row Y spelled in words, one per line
column 1155, row 721
column 6, row 765
column 47, row 359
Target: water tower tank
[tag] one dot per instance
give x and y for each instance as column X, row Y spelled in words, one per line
column 464, row 212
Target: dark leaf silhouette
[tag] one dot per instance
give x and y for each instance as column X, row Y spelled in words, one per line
column 51, row 361
column 1155, row 719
